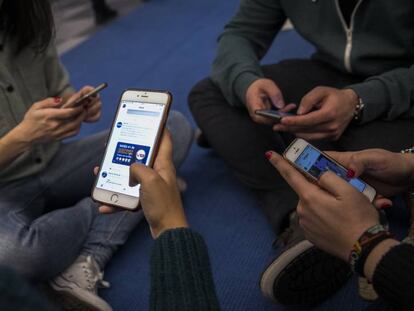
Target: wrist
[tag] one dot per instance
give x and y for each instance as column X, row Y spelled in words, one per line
column 355, row 103
column 376, row 255
column 157, row 230
column 362, row 248
column 18, row 139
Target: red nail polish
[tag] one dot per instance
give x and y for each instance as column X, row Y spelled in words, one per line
column 58, row 99
column 350, row 173
column 268, row 155
column 385, row 205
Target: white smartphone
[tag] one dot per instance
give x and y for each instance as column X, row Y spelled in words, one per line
column 313, row 163
column 135, row 136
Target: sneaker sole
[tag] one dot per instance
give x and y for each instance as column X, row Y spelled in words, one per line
column 69, row 301
column 303, row 275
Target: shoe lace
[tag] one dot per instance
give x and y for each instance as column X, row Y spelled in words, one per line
column 93, row 275
column 283, row 238
column 290, row 234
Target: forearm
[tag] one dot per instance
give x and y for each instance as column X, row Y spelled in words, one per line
column 11, row 146
column 244, row 41
column 388, row 95
column 181, row 277
column 392, row 271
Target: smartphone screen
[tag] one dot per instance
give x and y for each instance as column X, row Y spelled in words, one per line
column 316, row 163
column 132, row 140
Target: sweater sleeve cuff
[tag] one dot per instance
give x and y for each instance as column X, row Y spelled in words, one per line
column 181, row 272
column 242, row 83
column 375, row 99
column 393, row 277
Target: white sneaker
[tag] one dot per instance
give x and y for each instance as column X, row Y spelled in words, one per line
column 77, row 287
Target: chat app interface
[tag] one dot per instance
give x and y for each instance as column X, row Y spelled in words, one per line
column 132, row 141
column 315, row 163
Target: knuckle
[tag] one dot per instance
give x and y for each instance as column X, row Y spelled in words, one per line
column 319, row 89
column 333, row 127
column 300, row 211
column 152, row 179
column 307, row 197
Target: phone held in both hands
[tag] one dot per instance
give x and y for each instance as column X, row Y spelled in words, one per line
column 276, row 115
column 135, row 136
column 313, row 163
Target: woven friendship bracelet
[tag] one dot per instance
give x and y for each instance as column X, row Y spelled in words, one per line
column 365, row 244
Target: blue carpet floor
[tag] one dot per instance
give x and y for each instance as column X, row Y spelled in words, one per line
column 170, row 44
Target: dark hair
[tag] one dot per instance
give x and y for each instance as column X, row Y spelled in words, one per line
column 27, row 23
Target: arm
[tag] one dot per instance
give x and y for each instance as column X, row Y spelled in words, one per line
column 11, row 146
column 243, row 43
column 42, row 123
column 181, row 277
column 388, row 95
column 391, row 268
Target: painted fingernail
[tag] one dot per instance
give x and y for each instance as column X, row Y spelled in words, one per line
column 350, row 173
column 385, row 206
column 268, row 155
column 58, row 99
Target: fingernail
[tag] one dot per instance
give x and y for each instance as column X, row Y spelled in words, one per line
column 58, row 99
column 268, row 155
column 280, row 104
column 385, row 205
column 350, row 173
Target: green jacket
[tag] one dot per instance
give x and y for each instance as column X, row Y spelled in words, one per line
column 379, row 45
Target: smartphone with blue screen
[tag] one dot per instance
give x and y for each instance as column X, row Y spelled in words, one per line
column 135, row 136
column 313, row 163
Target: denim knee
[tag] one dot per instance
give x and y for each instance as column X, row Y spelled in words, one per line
column 182, row 136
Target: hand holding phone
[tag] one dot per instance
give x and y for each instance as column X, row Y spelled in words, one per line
column 313, row 163
column 135, row 137
column 83, row 99
column 331, row 213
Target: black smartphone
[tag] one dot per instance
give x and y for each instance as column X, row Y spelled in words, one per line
column 276, row 115
column 79, row 101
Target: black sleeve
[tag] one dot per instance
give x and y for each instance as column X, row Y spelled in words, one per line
column 181, row 277
column 393, row 278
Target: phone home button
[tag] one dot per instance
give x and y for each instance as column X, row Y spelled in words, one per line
column 114, row 198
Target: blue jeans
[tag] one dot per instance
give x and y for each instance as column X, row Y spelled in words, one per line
column 48, row 220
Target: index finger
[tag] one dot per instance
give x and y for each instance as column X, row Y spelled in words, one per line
column 293, row 177
column 310, row 119
column 64, row 113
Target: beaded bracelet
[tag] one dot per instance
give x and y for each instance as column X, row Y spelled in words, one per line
column 358, row 110
column 408, row 150
column 365, row 244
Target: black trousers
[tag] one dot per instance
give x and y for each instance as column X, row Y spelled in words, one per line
column 242, row 143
